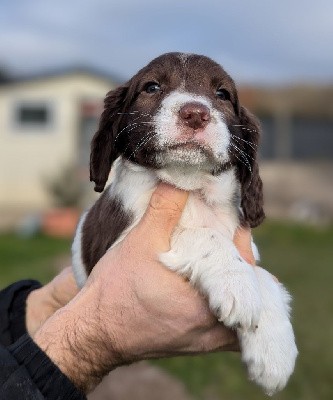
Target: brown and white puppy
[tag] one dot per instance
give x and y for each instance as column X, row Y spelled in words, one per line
column 179, row 120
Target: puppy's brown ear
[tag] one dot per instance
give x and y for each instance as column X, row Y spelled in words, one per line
column 248, row 171
column 103, row 147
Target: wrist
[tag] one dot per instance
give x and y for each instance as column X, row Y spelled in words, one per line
column 42, row 372
column 75, row 340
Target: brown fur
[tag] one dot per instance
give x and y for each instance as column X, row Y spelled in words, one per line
column 104, row 223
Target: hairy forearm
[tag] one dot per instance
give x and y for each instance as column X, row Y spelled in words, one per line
column 74, row 339
column 94, row 334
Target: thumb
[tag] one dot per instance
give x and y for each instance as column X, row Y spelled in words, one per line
column 163, row 213
column 243, row 242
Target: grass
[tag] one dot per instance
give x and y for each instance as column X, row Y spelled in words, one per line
column 301, row 257
column 29, row 257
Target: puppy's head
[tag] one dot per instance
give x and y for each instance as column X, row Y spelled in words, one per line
column 181, row 111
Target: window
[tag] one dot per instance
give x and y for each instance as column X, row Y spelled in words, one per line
column 33, row 115
column 312, row 138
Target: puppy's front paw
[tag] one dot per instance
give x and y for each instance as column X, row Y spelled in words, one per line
column 235, row 298
column 270, row 352
column 232, row 289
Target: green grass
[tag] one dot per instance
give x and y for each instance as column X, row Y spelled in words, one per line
column 301, row 257
column 29, row 258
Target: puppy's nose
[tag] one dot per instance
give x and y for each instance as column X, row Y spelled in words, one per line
column 195, row 115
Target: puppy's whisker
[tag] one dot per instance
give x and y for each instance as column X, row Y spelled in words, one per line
column 245, row 128
column 124, row 129
column 144, row 137
column 132, row 126
column 249, row 130
column 243, row 152
column 135, row 112
column 135, row 119
column 247, row 141
column 245, row 160
column 251, row 144
column 242, row 162
column 128, row 113
column 142, row 143
column 127, row 126
column 142, row 140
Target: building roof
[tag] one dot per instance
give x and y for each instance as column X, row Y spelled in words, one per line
column 310, row 100
column 60, row 72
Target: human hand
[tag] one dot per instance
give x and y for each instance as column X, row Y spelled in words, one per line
column 132, row 307
column 44, row 302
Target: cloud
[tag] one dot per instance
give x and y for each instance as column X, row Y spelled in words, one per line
column 256, row 40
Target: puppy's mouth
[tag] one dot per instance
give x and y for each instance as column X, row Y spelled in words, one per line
column 189, row 146
column 189, row 153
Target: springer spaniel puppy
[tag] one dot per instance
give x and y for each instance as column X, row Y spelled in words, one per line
column 179, row 120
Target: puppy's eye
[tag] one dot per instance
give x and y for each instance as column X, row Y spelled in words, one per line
column 152, row 87
column 223, row 94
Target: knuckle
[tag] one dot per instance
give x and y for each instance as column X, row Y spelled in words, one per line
column 163, row 208
column 207, row 320
column 160, row 202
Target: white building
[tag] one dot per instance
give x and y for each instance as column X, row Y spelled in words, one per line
column 46, row 123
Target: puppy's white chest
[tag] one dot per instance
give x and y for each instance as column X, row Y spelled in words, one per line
column 199, row 214
column 212, row 204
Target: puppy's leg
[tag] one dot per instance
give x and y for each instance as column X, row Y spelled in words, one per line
column 270, row 352
column 212, row 263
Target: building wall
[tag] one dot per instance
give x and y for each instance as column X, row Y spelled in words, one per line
column 298, row 138
column 29, row 156
column 297, row 121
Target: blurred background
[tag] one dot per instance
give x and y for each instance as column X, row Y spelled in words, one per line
column 58, row 60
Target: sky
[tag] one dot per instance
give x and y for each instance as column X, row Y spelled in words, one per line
column 256, row 41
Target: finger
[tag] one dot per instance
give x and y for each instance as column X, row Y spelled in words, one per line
column 222, row 338
column 243, row 242
column 164, row 211
column 63, row 287
column 218, row 338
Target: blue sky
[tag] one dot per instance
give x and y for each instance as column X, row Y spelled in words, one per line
column 257, row 41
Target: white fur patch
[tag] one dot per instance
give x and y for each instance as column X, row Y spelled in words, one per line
column 215, row 135
column 77, row 263
column 255, row 251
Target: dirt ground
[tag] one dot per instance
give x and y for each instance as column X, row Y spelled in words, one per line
column 140, row 381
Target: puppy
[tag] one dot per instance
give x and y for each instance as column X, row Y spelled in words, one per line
column 179, row 120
